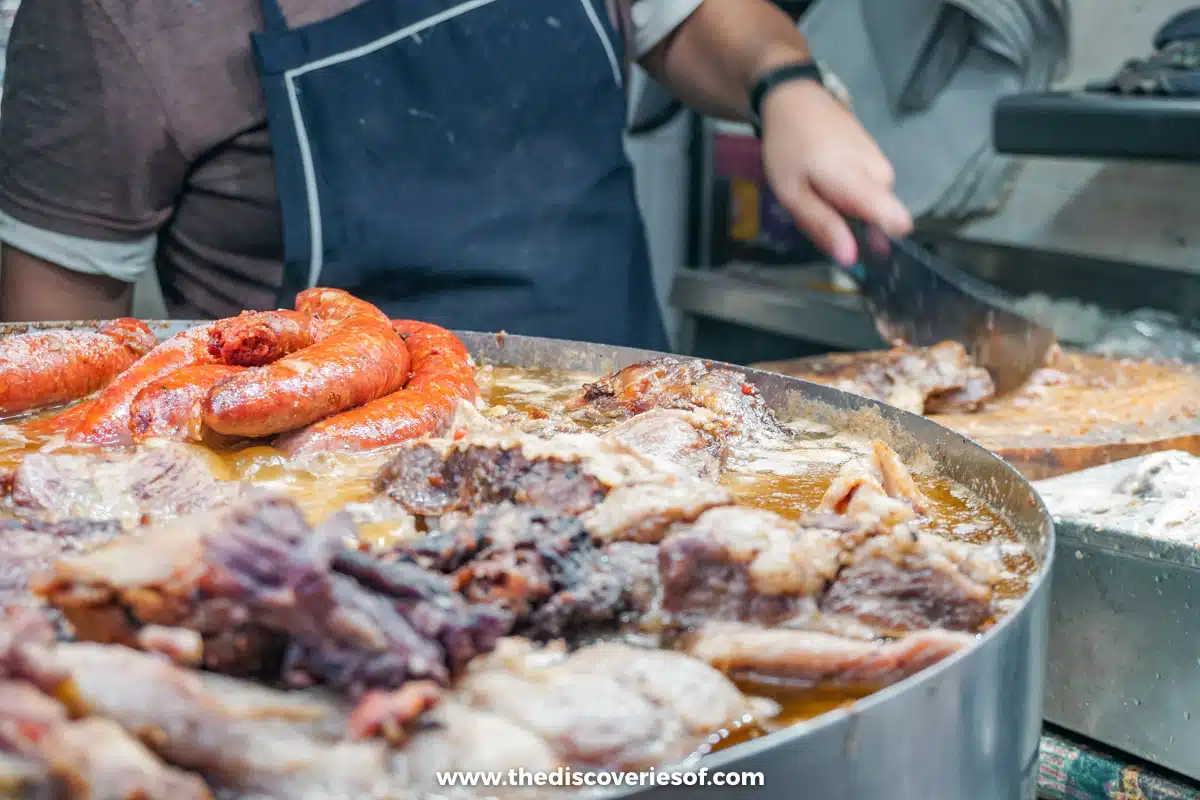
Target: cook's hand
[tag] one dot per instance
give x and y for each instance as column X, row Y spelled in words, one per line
column 823, row 166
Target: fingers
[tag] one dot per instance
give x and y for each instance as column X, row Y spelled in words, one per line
column 858, row 193
column 823, row 224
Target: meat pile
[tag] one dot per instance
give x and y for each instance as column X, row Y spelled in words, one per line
column 578, row 591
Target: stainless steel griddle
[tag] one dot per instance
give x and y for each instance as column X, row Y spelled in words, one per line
column 965, row 729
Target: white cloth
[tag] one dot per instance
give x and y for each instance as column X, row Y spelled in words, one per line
column 925, row 75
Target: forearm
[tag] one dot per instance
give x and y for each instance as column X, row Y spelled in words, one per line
column 713, row 58
column 33, row 290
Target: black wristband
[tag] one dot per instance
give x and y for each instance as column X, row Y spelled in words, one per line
column 801, row 71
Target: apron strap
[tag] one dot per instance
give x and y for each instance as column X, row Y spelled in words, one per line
column 273, row 16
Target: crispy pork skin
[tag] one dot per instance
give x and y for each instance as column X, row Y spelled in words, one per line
column 271, row 597
column 814, row 658
column 157, row 481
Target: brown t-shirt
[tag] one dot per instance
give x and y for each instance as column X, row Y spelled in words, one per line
column 133, row 134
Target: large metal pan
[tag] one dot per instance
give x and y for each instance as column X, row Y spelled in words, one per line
column 965, row 729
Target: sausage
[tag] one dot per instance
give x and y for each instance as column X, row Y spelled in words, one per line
column 107, row 417
column 360, row 359
column 443, row 374
column 173, row 407
column 53, row 367
column 256, row 338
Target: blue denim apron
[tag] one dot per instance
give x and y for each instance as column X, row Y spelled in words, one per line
column 461, row 163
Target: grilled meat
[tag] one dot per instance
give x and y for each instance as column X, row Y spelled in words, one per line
column 930, row 380
column 679, row 383
column 902, row 580
column 273, row 598
column 570, row 473
column 754, row 566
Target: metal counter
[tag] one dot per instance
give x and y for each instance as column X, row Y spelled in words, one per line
column 1124, row 664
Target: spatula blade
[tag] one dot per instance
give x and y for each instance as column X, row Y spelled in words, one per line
column 917, row 300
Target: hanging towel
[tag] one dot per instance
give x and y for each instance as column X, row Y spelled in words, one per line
column 925, row 74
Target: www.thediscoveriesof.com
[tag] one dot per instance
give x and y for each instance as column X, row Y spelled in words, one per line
column 566, row 777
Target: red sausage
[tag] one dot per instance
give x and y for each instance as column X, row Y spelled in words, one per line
column 107, row 417
column 443, row 375
column 360, row 359
column 53, row 367
column 260, row 337
column 173, row 407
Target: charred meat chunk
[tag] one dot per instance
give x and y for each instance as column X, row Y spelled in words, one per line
column 748, row 564
column 157, row 481
column 273, row 598
column 904, row 581
column 678, row 383
column 570, row 473
column 812, row 658
column 540, row 566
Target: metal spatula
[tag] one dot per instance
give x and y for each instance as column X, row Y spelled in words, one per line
column 916, row 299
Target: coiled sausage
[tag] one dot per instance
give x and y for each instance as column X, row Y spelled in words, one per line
column 256, row 338
column 360, row 359
column 173, row 407
column 443, row 374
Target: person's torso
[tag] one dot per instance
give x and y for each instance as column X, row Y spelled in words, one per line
column 222, row 249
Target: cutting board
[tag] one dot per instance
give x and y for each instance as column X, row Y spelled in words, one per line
column 1097, row 410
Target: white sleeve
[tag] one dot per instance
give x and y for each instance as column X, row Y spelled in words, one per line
column 125, row 261
column 653, row 20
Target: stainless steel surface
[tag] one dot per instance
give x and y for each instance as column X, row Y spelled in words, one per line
column 1124, row 665
column 921, row 300
column 967, row 728
column 835, row 320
